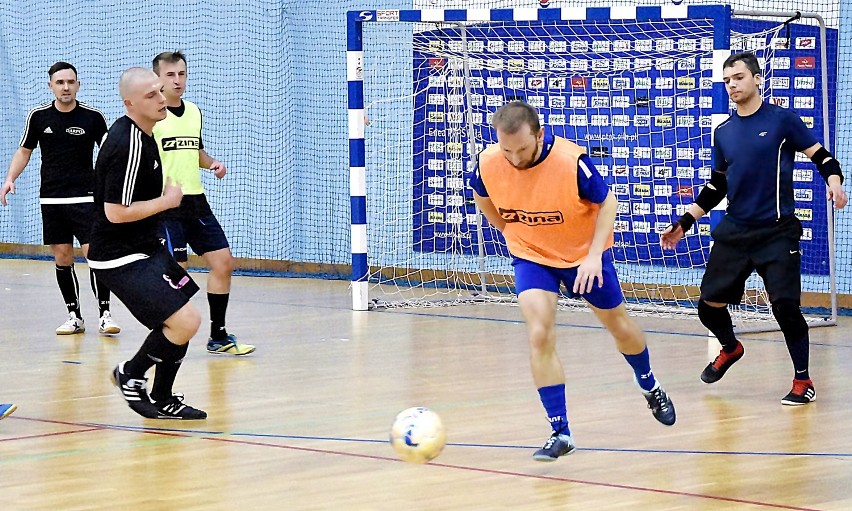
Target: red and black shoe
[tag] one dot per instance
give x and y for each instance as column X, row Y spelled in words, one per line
column 803, row 393
column 714, row 372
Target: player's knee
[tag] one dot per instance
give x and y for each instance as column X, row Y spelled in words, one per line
column 626, row 331
column 230, row 263
column 63, row 255
column 184, row 323
column 223, row 262
column 713, row 318
column 789, row 317
column 193, row 320
column 541, row 338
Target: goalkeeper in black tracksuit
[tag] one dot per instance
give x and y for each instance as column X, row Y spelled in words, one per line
column 753, row 157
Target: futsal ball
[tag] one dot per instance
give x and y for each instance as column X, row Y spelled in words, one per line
column 417, row 435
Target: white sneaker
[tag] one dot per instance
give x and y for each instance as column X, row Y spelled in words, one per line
column 73, row 325
column 107, row 325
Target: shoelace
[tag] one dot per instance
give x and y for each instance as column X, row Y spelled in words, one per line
column 135, row 384
column 550, row 442
column 174, row 404
column 661, row 399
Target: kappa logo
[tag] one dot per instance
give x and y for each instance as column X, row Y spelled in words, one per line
column 183, row 281
column 532, row 218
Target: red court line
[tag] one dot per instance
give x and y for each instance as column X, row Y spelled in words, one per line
column 520, row 474
column 100, row 427
column 43, row 435
column 442, row 465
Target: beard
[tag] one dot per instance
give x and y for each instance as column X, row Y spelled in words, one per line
column 524, row 165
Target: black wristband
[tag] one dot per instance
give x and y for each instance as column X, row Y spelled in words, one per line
column 827, row 164
column 830, row 168
column 686, row 221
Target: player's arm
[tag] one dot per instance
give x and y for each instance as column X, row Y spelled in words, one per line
column 603, row 225
column 205, row 161
column 708, row 198
column 19, row 162
column 591, row 187
column 483, row 201
column 829, row 169
column 137, row 210
column 120, row 165
column 487, row 208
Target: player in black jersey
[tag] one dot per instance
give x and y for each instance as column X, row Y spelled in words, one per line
column 67, row 131
column 753, row 157
column 125, row 251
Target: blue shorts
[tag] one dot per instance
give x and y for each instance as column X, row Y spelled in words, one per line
column 191, row 224
column 201, row 234
column 530, row 275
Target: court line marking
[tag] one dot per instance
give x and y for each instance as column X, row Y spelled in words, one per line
column 56, row 433
column 522, row 475
column 221, row 437
column 194, row 432
column 601, row 327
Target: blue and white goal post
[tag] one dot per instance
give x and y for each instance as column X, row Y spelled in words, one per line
column 639, row 87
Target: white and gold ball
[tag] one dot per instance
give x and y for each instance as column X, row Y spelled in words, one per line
column 417, row 435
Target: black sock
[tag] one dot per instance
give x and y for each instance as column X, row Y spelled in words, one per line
column 156, row 349
column 101, row 293
column 799, row 353
column 69, row 287
column 795, row 330
column 164, row 379
column 218, row 307
column 718, row 321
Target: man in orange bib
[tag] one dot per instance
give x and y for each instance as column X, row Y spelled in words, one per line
column 557, row 214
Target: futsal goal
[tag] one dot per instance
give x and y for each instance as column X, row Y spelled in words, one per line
column 639, row 87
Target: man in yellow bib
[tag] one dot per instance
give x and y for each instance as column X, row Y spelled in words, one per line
column 182, row 152
column 557, row 214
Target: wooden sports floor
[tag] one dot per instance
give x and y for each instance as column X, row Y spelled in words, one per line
column 302, row 424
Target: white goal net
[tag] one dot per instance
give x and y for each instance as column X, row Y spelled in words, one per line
column 641, row 94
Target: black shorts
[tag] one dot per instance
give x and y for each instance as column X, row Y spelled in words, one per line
column 738, row 250
column 152, row 289
column 191, row 224
column 62, row 223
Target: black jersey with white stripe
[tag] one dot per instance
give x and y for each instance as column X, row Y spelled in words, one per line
column 756, row 153
column 128, row 170
column 67, row 140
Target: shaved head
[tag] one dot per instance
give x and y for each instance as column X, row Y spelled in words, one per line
column 142, row 94
column 132, row 78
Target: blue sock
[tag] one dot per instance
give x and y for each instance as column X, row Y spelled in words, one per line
column 641, row 364
column 553, row 399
